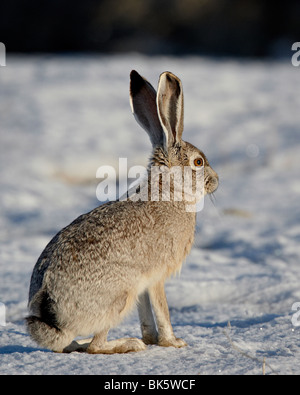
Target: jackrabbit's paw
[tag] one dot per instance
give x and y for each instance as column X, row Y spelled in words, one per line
column 119, row 346
column 172, row 342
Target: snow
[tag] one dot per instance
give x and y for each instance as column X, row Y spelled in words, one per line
column 63, row 117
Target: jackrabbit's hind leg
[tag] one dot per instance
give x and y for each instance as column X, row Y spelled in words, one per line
column 78, row 345
column 100, row 345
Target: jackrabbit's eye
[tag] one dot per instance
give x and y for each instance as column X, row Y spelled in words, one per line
column 198, row 162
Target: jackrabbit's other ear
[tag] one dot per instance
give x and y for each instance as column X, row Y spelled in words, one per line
column 170, row 107
column 143, row 106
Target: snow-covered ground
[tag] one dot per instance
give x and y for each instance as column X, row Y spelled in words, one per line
column 63, row 117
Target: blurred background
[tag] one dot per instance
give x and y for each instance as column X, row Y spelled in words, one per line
column 248, row 28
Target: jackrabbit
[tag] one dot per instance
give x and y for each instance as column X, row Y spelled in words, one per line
column 94, row 271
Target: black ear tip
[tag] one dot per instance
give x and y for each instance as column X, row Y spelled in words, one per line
column 133, row 73
column 136, row 82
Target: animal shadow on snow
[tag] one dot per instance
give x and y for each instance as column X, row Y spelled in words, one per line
column 12, row 349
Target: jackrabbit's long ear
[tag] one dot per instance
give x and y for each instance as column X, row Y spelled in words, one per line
column 170, row 107
column 143, row 105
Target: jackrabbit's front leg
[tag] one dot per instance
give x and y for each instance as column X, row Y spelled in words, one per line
column 166, row 337
column 147, row 321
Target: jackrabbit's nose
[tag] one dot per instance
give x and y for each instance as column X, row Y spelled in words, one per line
column 212, row 183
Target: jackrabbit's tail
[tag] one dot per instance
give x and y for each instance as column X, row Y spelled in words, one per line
column 50, row 337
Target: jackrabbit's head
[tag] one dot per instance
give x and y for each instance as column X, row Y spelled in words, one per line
column 161, row 115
